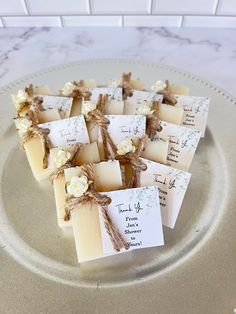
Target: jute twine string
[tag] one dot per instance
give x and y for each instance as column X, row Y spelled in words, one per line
column 137, row 165
column 35, row 131
column 80, row 92
column 167, row 97
column 98, row 117
column 126, row 85
column 73, row 203
column 153, row 124
column 71, row 162
column 32, row 104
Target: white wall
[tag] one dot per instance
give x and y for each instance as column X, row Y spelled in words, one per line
column 176, row 13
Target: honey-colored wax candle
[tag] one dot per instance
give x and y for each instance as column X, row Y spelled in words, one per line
column 47, row 135
column 87, row 153
column 103, row 182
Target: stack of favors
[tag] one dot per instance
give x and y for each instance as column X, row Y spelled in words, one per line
column 117, row 156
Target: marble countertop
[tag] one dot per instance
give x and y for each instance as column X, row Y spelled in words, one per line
column 210, row 53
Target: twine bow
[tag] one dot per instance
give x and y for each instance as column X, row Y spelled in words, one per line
column 137, row 165
column 126, row 85
column 102, row 201
column 80, row 92
column 42, row 133
column 152, row 124
column 167, row 97
column 71, row 162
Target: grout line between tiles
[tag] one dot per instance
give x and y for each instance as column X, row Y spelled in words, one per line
column 26, row 6
column 122, row 21
column 61, row 21
column 90, row 7
column 1, row 20
column 151, row 6
column 119, row 14
column 217, row 6
column 181, row 22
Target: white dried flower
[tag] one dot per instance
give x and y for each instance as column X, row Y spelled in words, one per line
column 87, row 106
column 144, row 109
column 67, row 89
column 115, row 83
column 61, row 158
column 158, row 86
column 22, row 125
column 19, row 98
column 78, row 186
column 125, row 147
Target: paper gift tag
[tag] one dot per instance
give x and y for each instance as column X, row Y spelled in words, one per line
column 115, row 103
column 112, row 92
column 195, row 111
column 125, row 126
column 62, row 104
column 133, row 103
column 136, row 214
column 172, row 185
column 182, row 144
column 67, row 131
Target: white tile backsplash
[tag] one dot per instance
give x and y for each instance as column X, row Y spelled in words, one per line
column 227, row 7
column 60, row 7
column 209, row 21
column 184, row 6
column 121, row 6
column 31, row 21
column 12, row 7
column 152, row 21
column 150, row 13
column 85, row 21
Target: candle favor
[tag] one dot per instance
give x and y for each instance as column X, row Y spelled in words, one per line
column 120, row 128
column 63, row 158
column 113, row 222
column 195, row 111
column 30, row 103
column 103, row 182
column 182, row 142
column 141, row 102
column 62, row 104
column 170, row 89
column 114, row 104
column 172, row 185
column 37, row 140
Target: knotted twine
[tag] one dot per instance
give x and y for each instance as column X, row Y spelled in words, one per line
column 73, row 203
column 34, row 107
column 126, row 85
column 35, row 131
column 167, row 97
column 71, row 162
column 137, row 165
column 153, row 124
column 98, row 117
column 32, row 104
column 79, row 91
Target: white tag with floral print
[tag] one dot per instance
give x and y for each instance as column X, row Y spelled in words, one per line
column 67, row 131
column 123, row 127
column 112, row 92
column 183, row 143
column 172, row 185
column 136, row 214
column 140, row 98
column 195, row 111
column 60, row 103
